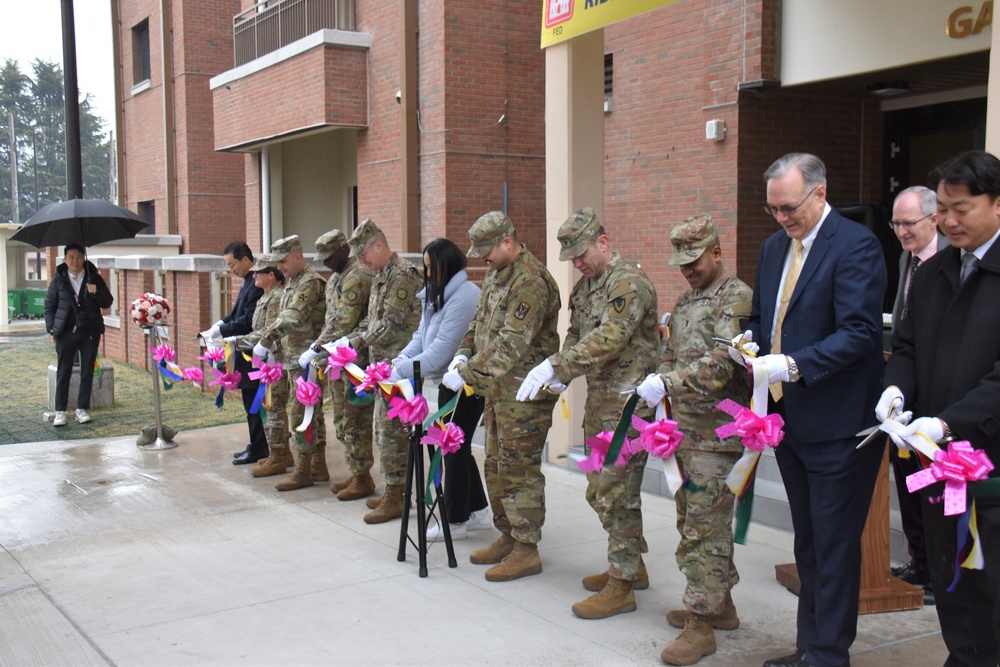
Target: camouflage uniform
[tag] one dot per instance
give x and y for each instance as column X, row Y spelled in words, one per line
column 300, row 319
column 613, row 340
column 393, row 316
column 268, row 307
column 699, row 373
column 513, row 330
column 347, row 295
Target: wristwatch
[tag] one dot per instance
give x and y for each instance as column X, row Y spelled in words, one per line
column 949, row 435
column 793, row 370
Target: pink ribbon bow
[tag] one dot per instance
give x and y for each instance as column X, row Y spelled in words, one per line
column 599, row 446
column 161, row 352
column 192, row 374
column 958, row 464
column 268, row 373
column 409, row 412
column 340, row 357
column 227, row 381
column 449, row 439
column 213, row 355
column 307, row 393
column 660, row 438
column 756, row 433
column 376, row 372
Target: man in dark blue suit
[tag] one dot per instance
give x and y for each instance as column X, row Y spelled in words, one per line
column 817, row 317
column 239, row 259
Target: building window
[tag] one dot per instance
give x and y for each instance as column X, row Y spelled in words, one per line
column 140, row 53
column 147, row 211
column 609, row 79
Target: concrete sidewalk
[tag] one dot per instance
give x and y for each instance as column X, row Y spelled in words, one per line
column 114, row 555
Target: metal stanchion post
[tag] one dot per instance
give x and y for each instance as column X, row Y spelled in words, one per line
column 159, row 443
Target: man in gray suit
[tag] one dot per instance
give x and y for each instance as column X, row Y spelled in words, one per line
column 914, row 220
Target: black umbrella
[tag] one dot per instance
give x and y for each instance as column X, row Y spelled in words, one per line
column 84, row 221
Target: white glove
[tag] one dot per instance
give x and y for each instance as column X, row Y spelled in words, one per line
column 260, row 351
column 652, row 390
column 776, row 365
column 307, row 357
column 538, row 377
column 932, row 427
column 394, row 377
column 219, row 323
column 453, row 380
column 398, row 360
column 231, row 340
column 457, row 361
column 211, row 333
column 343, row 341
column 556, row 387
column 890, row 404
column 744, row 340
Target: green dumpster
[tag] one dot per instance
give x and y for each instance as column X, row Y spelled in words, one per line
column 33, row 302
column 14, row 308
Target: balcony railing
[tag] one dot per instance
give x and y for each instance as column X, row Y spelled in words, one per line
column 270, row 25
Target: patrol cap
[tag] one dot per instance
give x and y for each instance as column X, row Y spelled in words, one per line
column 362, row 236
column 264, row 262
column 329, row 243
column 574, row 235
column 489, row 231
column 691, row 238
column 282, row 248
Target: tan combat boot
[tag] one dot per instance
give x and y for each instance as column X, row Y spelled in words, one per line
column 372, row 503
column 724, row 620
column 615, row 598
column 361, row 486
column 300, row 477
column 597, row 582
column 390, row 506
column 522, row 561
column 693, row 643
column 337, row 487
column 320, row 473
column 276, row 463
column 494, row 553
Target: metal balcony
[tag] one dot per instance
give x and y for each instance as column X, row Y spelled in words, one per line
column 270, row 25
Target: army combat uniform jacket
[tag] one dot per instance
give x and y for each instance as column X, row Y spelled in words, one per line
column 303, row 313
column 393, row 310
column 347, row 296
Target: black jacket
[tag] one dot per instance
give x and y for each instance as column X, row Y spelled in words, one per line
column 66, row 312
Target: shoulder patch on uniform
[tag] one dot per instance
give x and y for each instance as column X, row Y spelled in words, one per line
column 618, row 304
column 620, row 290
column 351, row 296
column 402, row 294
column 522, row 310
column 739, row 309
column 350, row 281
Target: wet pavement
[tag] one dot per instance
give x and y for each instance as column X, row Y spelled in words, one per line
column 111, row 555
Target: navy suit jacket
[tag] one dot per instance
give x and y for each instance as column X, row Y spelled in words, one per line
column 832, row 328
column 240, row 322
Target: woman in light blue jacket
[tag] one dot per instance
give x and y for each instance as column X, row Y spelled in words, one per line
column 449, row 303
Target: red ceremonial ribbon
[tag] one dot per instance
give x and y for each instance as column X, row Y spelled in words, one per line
column 955, row 466
column 449, row 439
column 756, row 433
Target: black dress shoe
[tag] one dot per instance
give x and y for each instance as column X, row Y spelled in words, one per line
column 796, row 659
column 914, row 572
column 249, row 456
column 243, row 452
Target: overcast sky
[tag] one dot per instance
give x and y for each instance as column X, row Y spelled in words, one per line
column 32, row 29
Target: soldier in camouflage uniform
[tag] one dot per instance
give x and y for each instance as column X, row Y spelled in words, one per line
column 347, row 294
column 697, row 373
column 613, row 340
column 513, row 330
column 272, row 281
column 302, row 315
column 393, row 316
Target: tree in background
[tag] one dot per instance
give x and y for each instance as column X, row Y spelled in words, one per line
column 40, row 132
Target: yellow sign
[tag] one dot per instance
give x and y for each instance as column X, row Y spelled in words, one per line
column 564, row 19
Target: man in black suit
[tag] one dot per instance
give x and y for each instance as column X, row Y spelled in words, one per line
column 817, row 316
column 239, row 259
column 914, row 221
column 945, row 367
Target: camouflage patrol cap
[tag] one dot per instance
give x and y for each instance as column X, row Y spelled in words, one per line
column 362, row 236
column 489, row 231
column 282, row 248
column 574, row 235
column 264, row 262
column 691, row 238
column 329, row 243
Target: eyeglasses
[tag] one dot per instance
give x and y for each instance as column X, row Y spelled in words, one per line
column 908, row 226
column 787, row 209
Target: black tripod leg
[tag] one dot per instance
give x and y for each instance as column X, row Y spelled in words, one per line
column 452, row 562
column 407, row 489
column 418, row 457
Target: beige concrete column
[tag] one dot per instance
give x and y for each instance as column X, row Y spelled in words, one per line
column 993, row 95
column 574, row 178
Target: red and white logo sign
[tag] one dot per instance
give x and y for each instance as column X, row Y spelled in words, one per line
column 558, row 11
